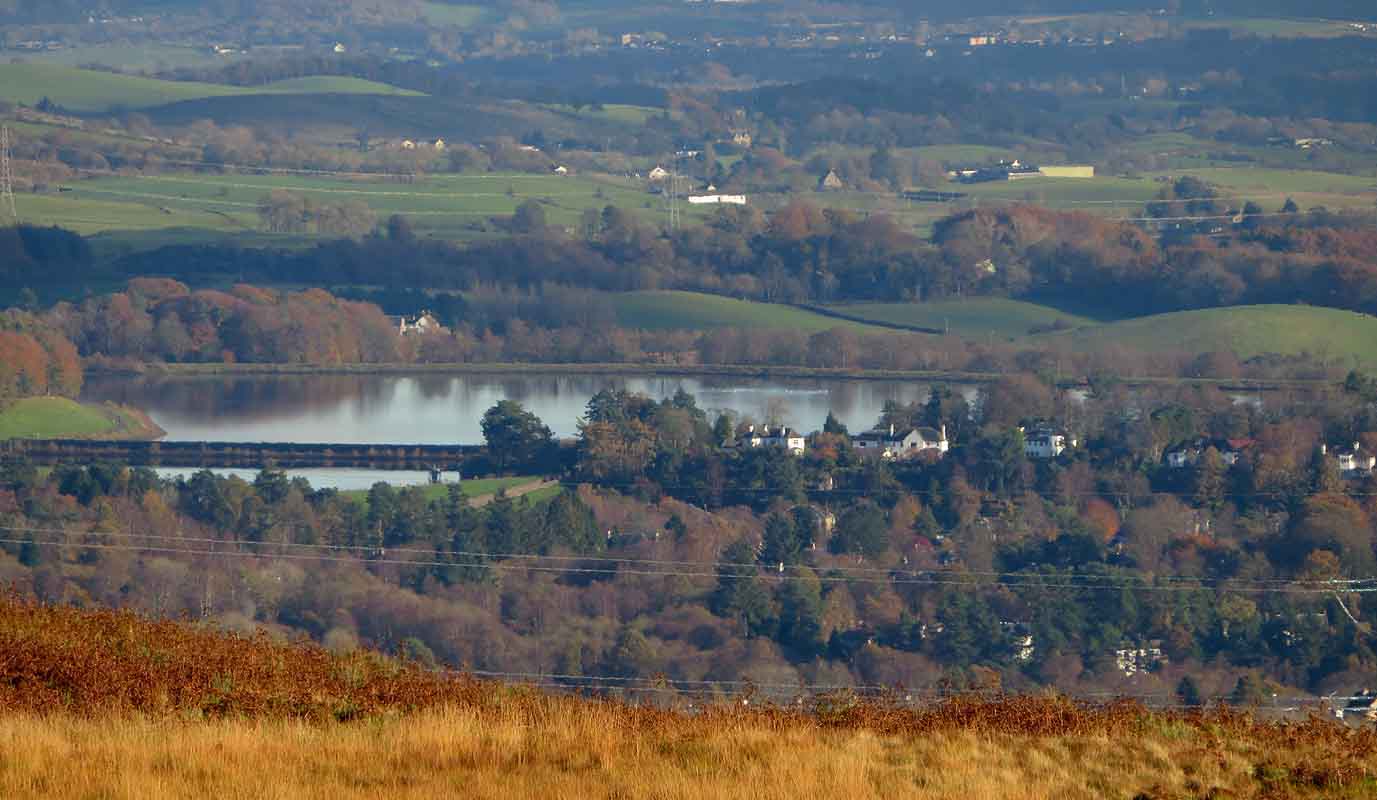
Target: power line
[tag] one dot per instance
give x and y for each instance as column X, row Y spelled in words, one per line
column 1328, row 584
column 895, row 578
column 7, row 206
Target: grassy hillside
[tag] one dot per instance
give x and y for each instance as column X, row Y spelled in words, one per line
column 975, row 317
column 106, row 704
column 1342, row 336
column 60, row 417
column 189, row 207
column 93, row 91
column 694, row 311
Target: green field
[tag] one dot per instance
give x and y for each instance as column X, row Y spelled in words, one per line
column 53, row 417
column 695, row 311
column 1346, row 338
column 191, row 207
column 453, row 14
column 470, row 488
column 973, row 318
column 90, row 91
column 141, row 57
column 1273, row 26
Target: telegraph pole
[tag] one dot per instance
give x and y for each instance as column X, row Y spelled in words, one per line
column 8, row 211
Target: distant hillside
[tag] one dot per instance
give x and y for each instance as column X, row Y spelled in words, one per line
column 1247, row 331
column 973, row 317
column 89, row 91
column 695, row 311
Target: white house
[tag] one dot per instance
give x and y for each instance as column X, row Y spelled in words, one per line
column 420, row 325
column 1131, row 660
column 561, row 170
column 784, row 437
column 896, row 444
column 439, row 144
column 1044, row 443
column 658, row 174
column 1355, row 459
column 1188, row 454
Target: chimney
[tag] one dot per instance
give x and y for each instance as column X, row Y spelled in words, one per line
column 1357, row 446
column 891, row 430
column 1324, row 449
column 944, row 431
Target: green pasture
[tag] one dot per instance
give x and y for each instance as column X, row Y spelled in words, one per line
column 1307, row 187
column 449, row 206
column 453, row 15
column 963, row 153
column 91, row 91
column 625, row 114
column 671, row 310
column 1334, row 336
column 52, row 417
column 973, row 318
column 471, row 488
column 138, row 58
column 1273, row 26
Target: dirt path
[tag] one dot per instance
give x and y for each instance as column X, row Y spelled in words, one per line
column 478, row 501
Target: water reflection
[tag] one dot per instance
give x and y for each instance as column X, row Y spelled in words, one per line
column 426, row 409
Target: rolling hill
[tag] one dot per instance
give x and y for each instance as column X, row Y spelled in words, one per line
column 975, row 317
column 1248, row 331
column 672, row 310
column 91, row 91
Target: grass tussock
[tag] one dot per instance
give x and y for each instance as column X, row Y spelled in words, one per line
column 106, row 704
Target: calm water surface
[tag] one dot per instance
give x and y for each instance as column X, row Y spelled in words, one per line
column 439, row 409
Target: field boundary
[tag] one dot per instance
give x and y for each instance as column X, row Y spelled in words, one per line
column 897, row 326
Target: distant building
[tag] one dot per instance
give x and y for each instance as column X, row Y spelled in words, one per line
column 658, row 174
column 1353, row 460
column 1045, row 443
column 896, row 444
column 338, row 48
column 1188, row 454
column 781, row 437
column 422, row 324
column 741, row 138
column 407, row 144
column 561, row 170
column 1068, row 171
column 1132, row 660
column 717, row 199
column 830, row 182
column 439, row 144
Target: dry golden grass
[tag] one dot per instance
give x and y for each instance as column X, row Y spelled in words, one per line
column 565, row 748
column 107, row 705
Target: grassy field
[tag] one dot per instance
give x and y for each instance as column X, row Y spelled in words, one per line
column 694, row 311
column 1275, row 26
column 471, row 488
column 62, row 418
column 141, row 57
column 208, row 207
column 175, row 710
column 1342, row 337
column 455, row 15
column 972, row 318
column 93, row 91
